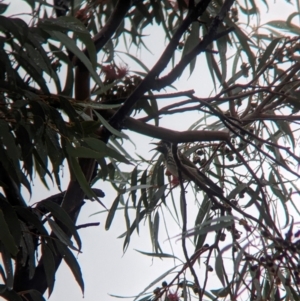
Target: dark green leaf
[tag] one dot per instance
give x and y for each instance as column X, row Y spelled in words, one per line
column 7, row 261
column 30, row 250
column 17, row 27
column 82, row 152
column 77, row 171
column 134, row 183
column 237, row 190
column 6, row 237
column 128, row 233
column 139, row 62
column 156, row 231
column 73, row 116
column 61, row 235
column 160, row 255
column 3, row 8
column 203, row 211
column 112, row 212
column 283, row 25
column 284, row 126
column 222, row 49
column 109, row 127
column 65, row 23
column 100, row 146
column 60, row 214
column 90, row 126
column 36, row 295
column 191, row 42
column 267, row 53
column 11, row 219
column 245, row 41
column 222, row 292
column 49, row 267
column 71, row 261
column 11, row 295
column 161, row 277
column 71, row 45
column 27, row 215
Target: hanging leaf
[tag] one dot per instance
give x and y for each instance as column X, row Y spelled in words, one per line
column 49, row 266
column 7, row 262
column 6, row 237
column 61, row 235
column 71, row 261
column 11, row 220
column 267, row 53
column 112, row 212
column 71, row 45
column 159, row 255
column 61, row 215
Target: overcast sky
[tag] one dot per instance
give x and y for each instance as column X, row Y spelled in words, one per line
column 104, row 266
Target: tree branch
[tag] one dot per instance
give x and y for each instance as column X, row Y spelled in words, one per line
column 149, row 80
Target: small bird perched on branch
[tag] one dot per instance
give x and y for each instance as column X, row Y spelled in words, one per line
column 194, row 174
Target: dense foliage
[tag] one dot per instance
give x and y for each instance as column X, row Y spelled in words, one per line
column 66, row 98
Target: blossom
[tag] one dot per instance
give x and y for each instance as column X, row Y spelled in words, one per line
column 173, row 296
column 113, row 72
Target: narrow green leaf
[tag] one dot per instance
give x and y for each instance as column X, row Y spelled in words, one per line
column 222, row 49
column 27, row 215
column 49, row 267
column 161, row 277
column 61, row 235
column 90, row 126
column 112, row 212
column 236, row 190
column 128, row 233
column 11, row 295
column 100, row 146
column 8, row 140
column 159, row 255
column 71, row 261
column 222, row 222
column 191, row 42
column 59, row 213
column 3, row 8
column 283, row 25
column 82, row 152
column 134, row 188
column 7, row 261
column 15, row 28
column 36, row 295
column 72, row 114
column 203, row 211
column 281, row 197
column 267, row 53
column 209, row 62
column 158, row 194
column 6, row 236
column 77, row 171
column 136, row 60
column 109, row 127
column 12, row 220
column 245, row 41
column 71, row 45
column 133, row 184
column 221, row 292
column 284, row 126
column 29, row 248
column 156, row 230
column 219, row 264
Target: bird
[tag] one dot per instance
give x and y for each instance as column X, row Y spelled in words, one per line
column 194, row 174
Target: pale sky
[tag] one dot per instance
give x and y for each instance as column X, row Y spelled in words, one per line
column 106, row 270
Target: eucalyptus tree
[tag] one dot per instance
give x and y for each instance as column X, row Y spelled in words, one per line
column 66, row 98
